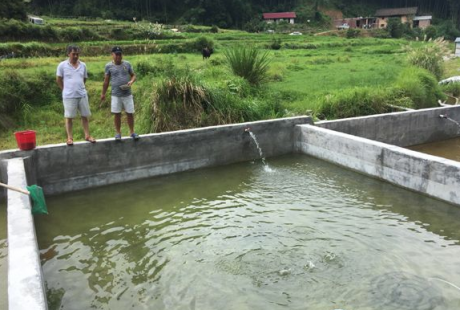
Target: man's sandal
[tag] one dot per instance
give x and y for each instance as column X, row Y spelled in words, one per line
column 69, row 141
column 90, row 139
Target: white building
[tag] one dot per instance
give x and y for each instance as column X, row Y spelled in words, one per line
column 457, row 47
column 35, row 20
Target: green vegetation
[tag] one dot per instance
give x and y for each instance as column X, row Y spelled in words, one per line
column 429, row 56
column 237, row 14
column 418, row 88
column 13, row 9
column 353, row 102
column 452, row 89
column 280, row 75
column 248, row 63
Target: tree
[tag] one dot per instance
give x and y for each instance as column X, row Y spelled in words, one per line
column 395, row 28
column 13, row 9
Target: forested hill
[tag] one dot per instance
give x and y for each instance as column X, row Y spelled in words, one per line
column 223, row 13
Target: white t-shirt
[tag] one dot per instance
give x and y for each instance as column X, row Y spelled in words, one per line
column 73, row 78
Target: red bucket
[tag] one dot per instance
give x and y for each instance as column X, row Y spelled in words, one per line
column 25, row 139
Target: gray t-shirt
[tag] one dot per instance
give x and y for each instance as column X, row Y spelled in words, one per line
column 119, row 75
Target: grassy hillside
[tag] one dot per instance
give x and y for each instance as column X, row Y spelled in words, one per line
column 317, row 75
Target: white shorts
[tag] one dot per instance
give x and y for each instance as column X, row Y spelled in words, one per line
column 71, row 105
column 125, row 103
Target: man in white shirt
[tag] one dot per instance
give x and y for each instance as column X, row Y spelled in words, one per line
column 71, row 76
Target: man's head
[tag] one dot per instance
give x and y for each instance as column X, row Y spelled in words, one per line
column 73, row 52
column 117, row 54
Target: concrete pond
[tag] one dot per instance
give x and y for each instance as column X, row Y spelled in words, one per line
column 332, row 203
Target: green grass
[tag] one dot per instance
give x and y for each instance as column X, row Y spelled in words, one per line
column 302, row 79
column 310, row 76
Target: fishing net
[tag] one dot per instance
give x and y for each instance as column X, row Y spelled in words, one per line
column 38, row 199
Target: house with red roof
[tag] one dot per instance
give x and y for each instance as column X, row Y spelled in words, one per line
column 277, row 17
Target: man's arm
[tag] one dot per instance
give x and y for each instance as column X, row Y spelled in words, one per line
column 105, row 86
column 60, row 82
column 133, row 79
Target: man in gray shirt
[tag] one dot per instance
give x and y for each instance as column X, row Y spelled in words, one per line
column 71, row 76
column 121, row 76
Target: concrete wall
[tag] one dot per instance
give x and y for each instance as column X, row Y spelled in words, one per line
column 430, row 175
column 59, row 168
column 25, row 279
column 401, row 128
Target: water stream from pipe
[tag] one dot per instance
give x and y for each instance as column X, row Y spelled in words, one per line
column 266, row 167
column 455, row 122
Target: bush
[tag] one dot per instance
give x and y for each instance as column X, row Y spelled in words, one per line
column 353, row 33
column 178, row 103
column 395, row 28
column 429, row 56
column 358, row 101
column 275, row 44
column 199, row 43
column 420, row 86
column 380, row 33
column 214, row 29
column 255, row 25
column 430, row 32
column 249, row 63
column 448, row 30
column 181, row 101
column 412, row 33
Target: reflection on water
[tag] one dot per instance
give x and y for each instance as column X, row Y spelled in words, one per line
column 449, row 149
column 308, row 235
column 3, row 259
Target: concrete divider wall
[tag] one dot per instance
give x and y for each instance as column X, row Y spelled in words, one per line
column 401, row 128
column 59, row 168
column 25, row 279
column 430, row 175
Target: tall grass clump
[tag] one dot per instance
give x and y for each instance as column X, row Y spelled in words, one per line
column 201, row 42
column 182, row 101
column 420, row 86
column 353, row 102
column 429, row 56
column 177, row 102
column 249, row 63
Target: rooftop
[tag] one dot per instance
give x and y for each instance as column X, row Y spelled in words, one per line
column 279, row 15
column 428, row 17
column 397, row 11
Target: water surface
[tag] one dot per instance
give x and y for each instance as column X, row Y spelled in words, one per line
column 308, row 235
column 449, row 149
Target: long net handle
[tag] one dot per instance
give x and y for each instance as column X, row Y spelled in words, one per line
column 13, row 188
